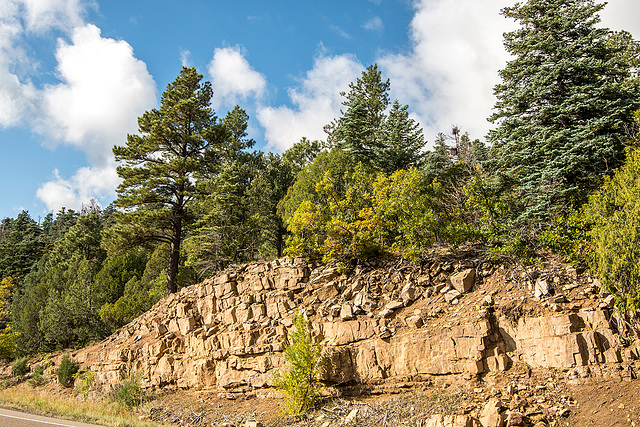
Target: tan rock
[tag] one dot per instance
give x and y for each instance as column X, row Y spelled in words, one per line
column 195, row 339
column 346, row 312
column 516, row 419
column 388, row 309
column 439, row 420
column 327, row 292
column 341, row 333
column 186, row 325
column 452, row 296
column 612, row 355
column 414, row 321
column 559, row 299
column 542, row 288
column 351, row 417
column 487, row 301
column 463, row 280
column 490, row 415
column 409, row 293
column 225, row 289
column 229, row 316
column 326, row 276
column 608, row 302
column 364, row 302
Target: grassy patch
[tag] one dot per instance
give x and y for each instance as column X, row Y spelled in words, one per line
column 99, row 410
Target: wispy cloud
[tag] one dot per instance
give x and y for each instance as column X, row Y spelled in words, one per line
column 185, row 58
column 340, row 32
column 374, row 24
column 44, row 15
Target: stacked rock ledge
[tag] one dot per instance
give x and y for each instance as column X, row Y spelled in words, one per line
column 383, row 326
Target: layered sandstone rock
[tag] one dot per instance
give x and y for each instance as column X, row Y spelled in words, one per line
column 403, row 323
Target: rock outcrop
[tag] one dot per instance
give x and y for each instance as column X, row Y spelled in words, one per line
column 380, row 327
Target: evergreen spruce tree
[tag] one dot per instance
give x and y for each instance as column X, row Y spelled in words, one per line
column 564, row 105
column 386, row 142
column 402, row 140
column 21, row 246
column 358, row 131
column 159, row 164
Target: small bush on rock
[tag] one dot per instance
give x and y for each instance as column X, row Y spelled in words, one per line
column 83, row 381
column 20, row 368
column 8, row 348
column 129, row 392
column 67, row 370
column 37, row 378
column 301, row 380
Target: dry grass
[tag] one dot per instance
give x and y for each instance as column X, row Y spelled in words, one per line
column 53, row 402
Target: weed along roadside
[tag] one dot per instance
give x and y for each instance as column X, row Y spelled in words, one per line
column 56, row 386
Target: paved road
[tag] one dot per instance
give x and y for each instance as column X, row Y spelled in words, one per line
column 10, row 418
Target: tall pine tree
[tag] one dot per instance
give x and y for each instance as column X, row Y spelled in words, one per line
column 158, row 167
column 563, row 106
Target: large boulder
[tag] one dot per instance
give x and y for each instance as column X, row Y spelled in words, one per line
column 463, row 280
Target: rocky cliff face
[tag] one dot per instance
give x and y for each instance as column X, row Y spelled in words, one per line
column 396, row 325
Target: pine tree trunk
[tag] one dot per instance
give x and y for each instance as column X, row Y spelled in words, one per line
column 174, row 256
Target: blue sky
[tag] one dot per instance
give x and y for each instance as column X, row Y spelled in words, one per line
column 76, row 74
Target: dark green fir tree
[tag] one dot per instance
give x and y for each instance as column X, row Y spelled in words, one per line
column 564, row 106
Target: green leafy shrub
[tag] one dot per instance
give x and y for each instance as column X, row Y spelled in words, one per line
column 567, row 235
column 8, row 347
column 404, row 213
column 614, row 212
column 338, row 226
column 301, row 380
column 83, row 381
column 20, row 368
column 37, row 378
column 67, row 370
column 129, row 392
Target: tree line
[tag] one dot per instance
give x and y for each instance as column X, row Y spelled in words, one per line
column 196, row 197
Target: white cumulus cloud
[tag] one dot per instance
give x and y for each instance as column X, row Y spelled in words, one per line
column 315, row 102
column 17, row 19
column 43, row 15
column 104, row 89
column 457, row 50
column 85, row 184
column 233, row 78
column 448, row 76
